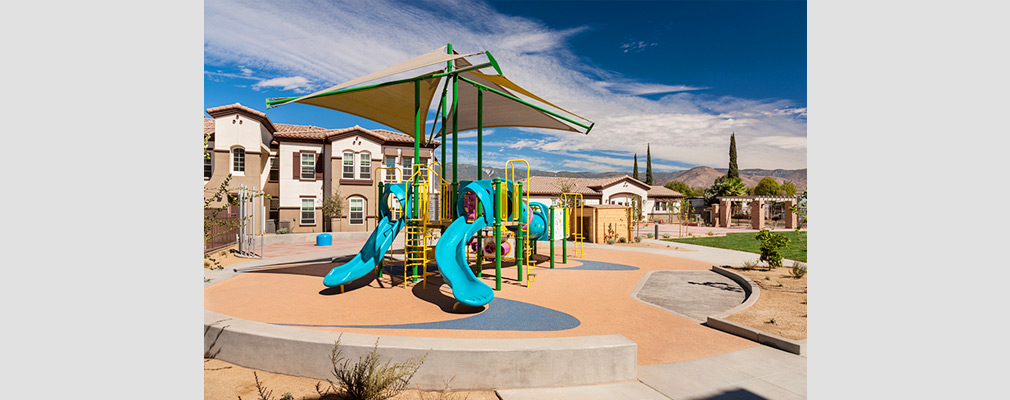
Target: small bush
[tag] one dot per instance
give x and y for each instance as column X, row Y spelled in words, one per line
column 611, row 241
column 666, row 236
column 369, row 378
column 710, row 233
column 771, row 244
column 622, row 240
column 638, row 239
column 649, row 235
column 749, row 265
column 799, row 270
column 282, row 231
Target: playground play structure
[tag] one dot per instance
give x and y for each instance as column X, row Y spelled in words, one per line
column 466, row 212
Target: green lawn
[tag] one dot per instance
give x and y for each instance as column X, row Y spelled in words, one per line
column 746, row 242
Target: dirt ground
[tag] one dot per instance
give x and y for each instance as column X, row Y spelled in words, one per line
column 782, row 307
column 226, row 381
column 225, row 257
column 671, row 246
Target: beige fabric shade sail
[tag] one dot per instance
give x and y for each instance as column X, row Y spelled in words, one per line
column 392, row 103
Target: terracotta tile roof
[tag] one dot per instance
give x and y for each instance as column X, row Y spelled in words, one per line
column 542, row 185
column 663, row 191
column 259, row 115
column 604, row 182
column 302, row 131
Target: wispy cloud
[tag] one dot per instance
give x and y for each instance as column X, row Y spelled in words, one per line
column 296, row 83
column 642, row 88
column 331, row 42
column 636, row 46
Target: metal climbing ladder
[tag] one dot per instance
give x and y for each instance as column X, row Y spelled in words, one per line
column 575, row 201
column 520, row 204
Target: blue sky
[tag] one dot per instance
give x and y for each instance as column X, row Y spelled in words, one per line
column 680, row 75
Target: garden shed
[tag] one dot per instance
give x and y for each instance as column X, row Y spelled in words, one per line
column 601, row 222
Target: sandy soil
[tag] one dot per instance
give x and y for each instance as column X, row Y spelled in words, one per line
column 671, row 246
column 225, row 257
column 782, row 307
column 226, row 381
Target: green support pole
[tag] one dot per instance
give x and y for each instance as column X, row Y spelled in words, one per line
column 497, row 233
column 480, row 172
column 455, row 133
column 564, row 240
column 520, row 249
column 448, row 68
column 377, row 217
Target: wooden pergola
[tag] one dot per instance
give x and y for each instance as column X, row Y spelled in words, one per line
column 757, row 217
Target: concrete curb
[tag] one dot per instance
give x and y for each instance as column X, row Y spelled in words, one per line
column 474, row 363
column 798, row 347
column 311, row 237
column 749, row 287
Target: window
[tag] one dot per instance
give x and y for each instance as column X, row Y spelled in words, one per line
column 357, row 207
column 390, row 174
column 275, row 169
column 208, row 167
column 238, row 160
column 308, row 166
column 407, row 164
column 308, row 211
column 365, row 163
column 424, row 165
column 348, row 165
column 275, row 209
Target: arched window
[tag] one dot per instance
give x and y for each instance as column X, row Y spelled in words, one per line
column 238, row 160
column 356, row 205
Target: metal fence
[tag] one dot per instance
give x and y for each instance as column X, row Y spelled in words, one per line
column 223, row 228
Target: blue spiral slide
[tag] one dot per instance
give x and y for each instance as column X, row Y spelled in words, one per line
column 450, row 251
column 378, row 243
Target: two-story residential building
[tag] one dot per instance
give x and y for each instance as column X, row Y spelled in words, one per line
column 299, row 166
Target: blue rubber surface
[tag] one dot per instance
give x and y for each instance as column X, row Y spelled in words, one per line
column 589, row 265
column 501, row 315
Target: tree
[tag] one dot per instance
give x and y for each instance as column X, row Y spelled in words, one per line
column 724, row 186
column 648, row 165
column 767, row 187
column 733, row 172
column 788, row 188
column 635, row 171
column 683, row 189
column 332, row 207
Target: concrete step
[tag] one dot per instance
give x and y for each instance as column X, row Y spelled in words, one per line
column 632, row 390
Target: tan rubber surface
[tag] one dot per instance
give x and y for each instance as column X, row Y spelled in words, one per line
column 600, row 300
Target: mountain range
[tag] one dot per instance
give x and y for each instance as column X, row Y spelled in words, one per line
column 695, row 177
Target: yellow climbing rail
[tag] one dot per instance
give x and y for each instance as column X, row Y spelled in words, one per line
column 446, row 204
column 574, row 202
column 417, row 238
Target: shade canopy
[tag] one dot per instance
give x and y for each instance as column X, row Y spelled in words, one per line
column 393, row 103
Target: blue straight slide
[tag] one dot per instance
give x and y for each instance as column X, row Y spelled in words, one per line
column 376, row 246
column 450, row 251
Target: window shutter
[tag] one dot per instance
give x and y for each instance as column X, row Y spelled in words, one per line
column 297, row 166
column 319, row 166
